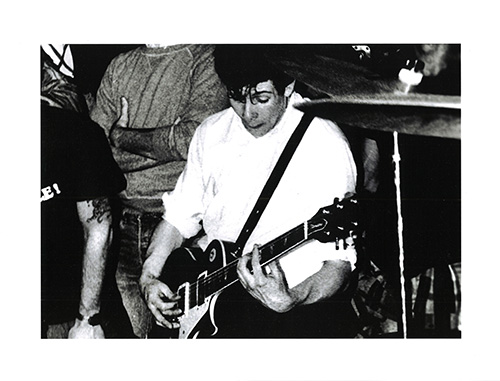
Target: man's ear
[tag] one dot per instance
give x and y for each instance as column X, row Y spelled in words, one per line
column 289, row 89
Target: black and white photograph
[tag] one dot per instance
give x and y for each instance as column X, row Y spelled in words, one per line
column 289, row 203
column 251, row 191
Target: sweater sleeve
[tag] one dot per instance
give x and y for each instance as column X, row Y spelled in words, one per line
column 105, row 113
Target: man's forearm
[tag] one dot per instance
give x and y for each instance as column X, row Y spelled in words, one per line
column 130, row 162
column 134, row 140
column 166, row 143
column 328, row 281
column 165, row 239
column 94, row 265
column 96, row 220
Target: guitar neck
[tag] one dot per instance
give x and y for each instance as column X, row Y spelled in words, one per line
column 227, row 275
column 332, row 223
column 284, row 243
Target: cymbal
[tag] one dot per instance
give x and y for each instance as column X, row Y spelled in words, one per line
column 395, row 99
column 410, row 120
column 335, row 77
column 356, row 96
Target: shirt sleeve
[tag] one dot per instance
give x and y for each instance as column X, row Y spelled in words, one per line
column 297, row 269
column 338, row 178
column 104, row 112
column 184, row 206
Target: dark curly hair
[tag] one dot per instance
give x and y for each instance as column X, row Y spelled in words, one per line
column 246, row 65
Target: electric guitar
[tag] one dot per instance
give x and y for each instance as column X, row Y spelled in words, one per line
column 199, row 293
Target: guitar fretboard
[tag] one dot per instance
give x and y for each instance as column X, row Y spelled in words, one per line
column 227, row 275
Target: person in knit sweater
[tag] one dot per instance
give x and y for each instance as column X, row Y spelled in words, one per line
column 149, row 102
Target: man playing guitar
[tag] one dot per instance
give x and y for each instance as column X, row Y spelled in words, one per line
column 231, row 156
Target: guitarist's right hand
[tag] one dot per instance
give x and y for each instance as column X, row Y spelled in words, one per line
column 163, row 303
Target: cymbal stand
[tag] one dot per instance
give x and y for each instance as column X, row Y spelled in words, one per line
column 410, row 78
column 397, row 181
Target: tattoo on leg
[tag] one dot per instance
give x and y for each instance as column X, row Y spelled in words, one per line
column 101, row 209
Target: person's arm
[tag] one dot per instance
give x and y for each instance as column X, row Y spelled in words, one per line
column 127, row 142
column 270, row 288
column 105, row 114
column 159, row 298
column 130, row 162
column 95, row 216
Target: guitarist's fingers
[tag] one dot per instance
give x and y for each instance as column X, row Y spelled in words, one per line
column 242, row 270
column 275, row 271
column 160, row 319
column 163, row 304
column 163, row 322
column 166, row 314
column 168, row 304
column 257, row 269
column 168, row 295
column 169, row 309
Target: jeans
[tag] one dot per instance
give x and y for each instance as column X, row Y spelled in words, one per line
column 134, row 236
column 57, row 331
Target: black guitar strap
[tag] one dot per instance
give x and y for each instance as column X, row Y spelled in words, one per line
column 272, row 182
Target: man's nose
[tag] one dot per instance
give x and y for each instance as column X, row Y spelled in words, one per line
column 248, row 110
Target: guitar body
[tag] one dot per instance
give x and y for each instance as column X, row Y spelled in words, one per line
column 199, row 277
column 186, row 266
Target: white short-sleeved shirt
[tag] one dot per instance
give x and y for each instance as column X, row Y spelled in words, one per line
column 227, row 168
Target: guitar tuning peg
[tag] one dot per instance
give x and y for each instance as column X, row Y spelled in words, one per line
column 348, row 242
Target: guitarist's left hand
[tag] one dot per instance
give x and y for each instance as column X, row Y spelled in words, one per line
column 267, row 285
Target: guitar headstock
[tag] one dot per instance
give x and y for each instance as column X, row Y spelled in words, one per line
column 336, row 222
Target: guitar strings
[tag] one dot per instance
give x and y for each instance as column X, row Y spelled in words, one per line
column 299, row 234
column 212, row 278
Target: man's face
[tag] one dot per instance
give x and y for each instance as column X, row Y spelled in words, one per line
column 261, row 109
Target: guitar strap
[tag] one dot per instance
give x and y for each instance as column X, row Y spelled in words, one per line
column 272, row 182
